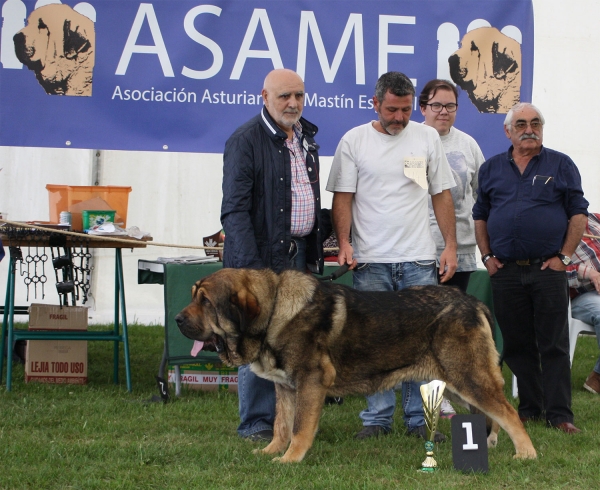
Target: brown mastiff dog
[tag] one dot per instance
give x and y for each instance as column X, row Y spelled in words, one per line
column 314, row 339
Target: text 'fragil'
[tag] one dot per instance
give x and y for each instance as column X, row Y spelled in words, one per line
column 206, row 379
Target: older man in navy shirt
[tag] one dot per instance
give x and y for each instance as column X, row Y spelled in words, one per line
column 529, row 217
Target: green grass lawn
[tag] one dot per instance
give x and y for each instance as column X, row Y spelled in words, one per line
column 100, row 436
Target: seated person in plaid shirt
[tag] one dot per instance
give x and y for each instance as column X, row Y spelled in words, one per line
column 271, row 212
column 584, row 283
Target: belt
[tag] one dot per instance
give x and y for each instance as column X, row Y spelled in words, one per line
column 525, row 262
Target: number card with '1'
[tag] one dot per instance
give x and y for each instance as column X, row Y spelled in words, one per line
column 469, row 443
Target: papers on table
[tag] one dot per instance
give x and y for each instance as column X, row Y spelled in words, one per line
column 187, row 259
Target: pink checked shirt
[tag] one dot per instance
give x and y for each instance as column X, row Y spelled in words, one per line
column 303, row 199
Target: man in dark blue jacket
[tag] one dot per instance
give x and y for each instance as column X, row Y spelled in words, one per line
column 529, row 218
column 270, row 212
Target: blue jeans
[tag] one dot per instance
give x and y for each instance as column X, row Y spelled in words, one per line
column 257, row 395
column 586, row 307
column 394, row 277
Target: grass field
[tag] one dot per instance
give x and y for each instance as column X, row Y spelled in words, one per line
column 99, row 436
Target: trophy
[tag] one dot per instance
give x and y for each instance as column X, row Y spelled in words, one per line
column 432, row 394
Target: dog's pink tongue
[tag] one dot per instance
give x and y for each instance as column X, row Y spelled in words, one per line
column 197, row 347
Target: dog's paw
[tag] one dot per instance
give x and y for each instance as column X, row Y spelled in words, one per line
column 263, row 451
column 492, row 440
column 531, row 454
column 284, row 459
column 270, row 449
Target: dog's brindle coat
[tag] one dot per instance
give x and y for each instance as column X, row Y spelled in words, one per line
column 314, row 339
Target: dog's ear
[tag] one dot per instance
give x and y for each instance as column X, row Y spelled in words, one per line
column 247, row 305
column 74, row 42
column 195, row 291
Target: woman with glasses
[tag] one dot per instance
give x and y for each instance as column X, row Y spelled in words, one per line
column 438, row 102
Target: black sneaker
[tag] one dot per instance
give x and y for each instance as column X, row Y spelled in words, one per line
column 422, row 433
column 261, row 436
column 372, row 431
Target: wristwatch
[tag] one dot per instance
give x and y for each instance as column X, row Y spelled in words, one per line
column 486, row 257
column 564, row 259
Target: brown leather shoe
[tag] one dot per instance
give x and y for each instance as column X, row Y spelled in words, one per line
column 592, row 383
column 567, row 427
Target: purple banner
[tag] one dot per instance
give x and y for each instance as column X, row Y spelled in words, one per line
column 181, row 76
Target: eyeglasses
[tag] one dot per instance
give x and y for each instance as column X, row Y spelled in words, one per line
column 437, row 107
column 521, row 125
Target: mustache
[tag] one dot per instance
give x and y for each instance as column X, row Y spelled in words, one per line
column 399, row 123
column 529, row 137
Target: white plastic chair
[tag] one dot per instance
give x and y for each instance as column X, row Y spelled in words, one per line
column 576, row 327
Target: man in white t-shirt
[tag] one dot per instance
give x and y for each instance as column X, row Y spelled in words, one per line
column 381, row 177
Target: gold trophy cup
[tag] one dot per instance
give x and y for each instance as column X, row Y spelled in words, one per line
column 432, row 394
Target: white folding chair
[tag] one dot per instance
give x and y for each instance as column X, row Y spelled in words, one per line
column 576, row 327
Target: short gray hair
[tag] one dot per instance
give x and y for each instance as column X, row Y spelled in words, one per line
column 519, row 107
column 395, row 82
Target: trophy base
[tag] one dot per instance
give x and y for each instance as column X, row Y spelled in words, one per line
column 430, row 464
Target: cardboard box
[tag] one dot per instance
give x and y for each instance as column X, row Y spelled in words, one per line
column 57, row 361
column 77, row 222
column 210, row 376
column 56, row 317
column 71, row 197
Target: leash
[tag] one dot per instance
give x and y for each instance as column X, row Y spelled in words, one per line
column 336, row 274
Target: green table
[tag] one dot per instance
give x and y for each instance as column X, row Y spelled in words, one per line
column 481, row 287
column 178, row 279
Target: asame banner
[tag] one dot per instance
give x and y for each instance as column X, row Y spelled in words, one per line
column 181, row 75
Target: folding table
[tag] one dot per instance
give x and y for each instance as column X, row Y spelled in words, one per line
column 116, row 335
